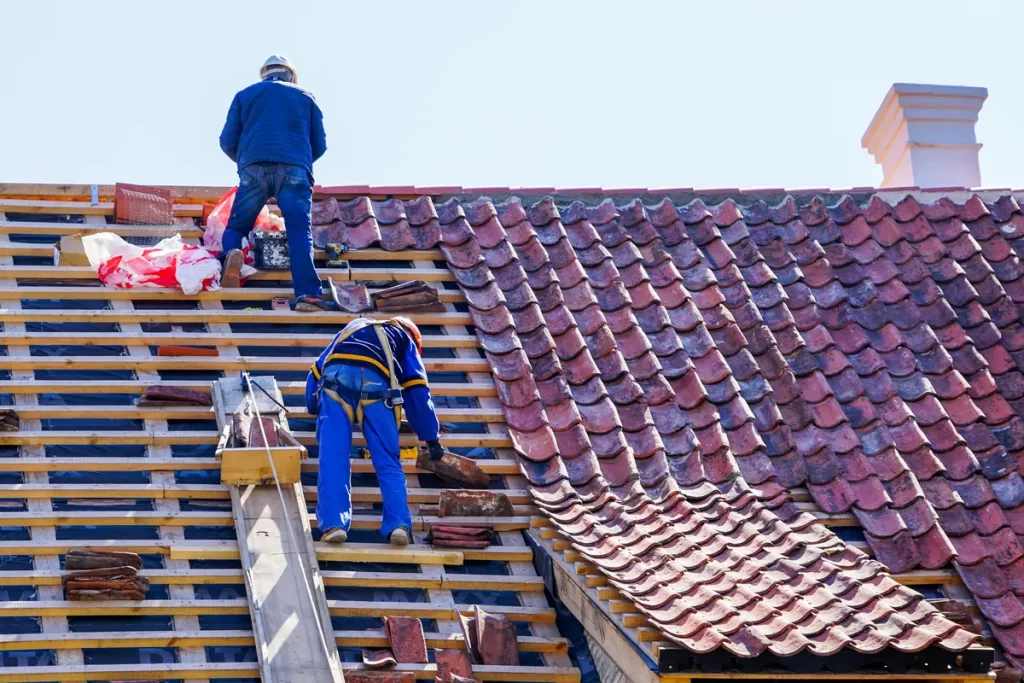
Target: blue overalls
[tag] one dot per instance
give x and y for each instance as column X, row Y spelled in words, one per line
column 358, row 381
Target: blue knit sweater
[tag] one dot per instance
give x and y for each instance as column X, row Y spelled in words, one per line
column 274, row 122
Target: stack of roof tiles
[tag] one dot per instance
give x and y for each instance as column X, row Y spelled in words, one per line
column 669, row 373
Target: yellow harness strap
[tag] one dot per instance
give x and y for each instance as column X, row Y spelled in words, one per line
column 356, row 325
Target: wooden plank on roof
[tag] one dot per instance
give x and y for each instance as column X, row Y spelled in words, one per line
column 136, row 386
column 360, row 520
column 119, row 464
column 252, row 363
column 281, row 340
column 347, row 578
column 375, row 274
column 187, row 232
column 211, row 638
column 349, row 552
column 66, row 229
column 83, row 208
column 172, row 438
column 132, row 412
column 367, row 552
column 520, row 499
column 221, row 316
column 909, row 677
column 101, row 293
column 338, row 608
column 83, row 192
column 217, row 671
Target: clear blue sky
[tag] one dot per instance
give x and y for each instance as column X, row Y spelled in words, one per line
column 526, row 93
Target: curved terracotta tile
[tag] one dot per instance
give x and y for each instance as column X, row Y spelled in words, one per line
column 396, row 236
column 509, row 277
column 465, row 256
column 517, row 394
column 494, row 321
column 573, row 442
column 633, row 344
column 509, row 367
column 543, row 472
column 480, row 211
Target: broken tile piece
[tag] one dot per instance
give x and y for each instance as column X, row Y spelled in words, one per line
column 496, row 639
column 406, row 637
column 378, row 659
column 453, row 665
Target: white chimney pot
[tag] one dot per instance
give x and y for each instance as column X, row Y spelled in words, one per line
column 923, row 136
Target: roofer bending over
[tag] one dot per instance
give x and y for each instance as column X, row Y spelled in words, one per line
column 275, row 131
column 369, row 371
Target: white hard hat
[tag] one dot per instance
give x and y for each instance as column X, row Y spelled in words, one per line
column 277, row 64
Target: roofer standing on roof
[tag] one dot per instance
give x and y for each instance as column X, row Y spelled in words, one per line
column 275, row 131
column 369, row 371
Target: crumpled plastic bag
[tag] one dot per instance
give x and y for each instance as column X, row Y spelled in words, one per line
column 170, row 263
column 213, row 233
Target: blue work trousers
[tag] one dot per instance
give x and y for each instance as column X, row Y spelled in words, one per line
column 293, row 187
column 334, row 435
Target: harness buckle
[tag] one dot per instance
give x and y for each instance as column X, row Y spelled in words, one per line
column 394, row 398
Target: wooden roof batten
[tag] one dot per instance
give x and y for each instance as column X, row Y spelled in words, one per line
column 631, row 641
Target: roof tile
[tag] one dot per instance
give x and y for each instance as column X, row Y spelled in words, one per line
column 861, row 350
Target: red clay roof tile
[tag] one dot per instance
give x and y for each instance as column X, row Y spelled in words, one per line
column 861, row 350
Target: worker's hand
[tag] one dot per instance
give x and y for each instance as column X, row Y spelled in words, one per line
column 435, row 449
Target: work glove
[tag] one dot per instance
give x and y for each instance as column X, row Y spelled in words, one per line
column 435, row 449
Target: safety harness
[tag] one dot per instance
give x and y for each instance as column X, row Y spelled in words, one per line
column 357, row 400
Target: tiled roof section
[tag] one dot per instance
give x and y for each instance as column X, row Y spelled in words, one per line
column 669, row 372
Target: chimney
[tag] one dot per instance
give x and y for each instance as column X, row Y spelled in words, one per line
column 923, row 136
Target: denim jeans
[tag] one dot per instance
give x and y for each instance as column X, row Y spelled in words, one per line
column 334, row 435
column 293, row 188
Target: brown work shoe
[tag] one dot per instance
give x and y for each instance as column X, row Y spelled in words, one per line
column 334, row 535
column 231, row 277
column 312, row 304
column 399, row 536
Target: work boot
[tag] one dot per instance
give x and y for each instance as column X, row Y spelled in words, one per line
column 232, row 275
column 312, row 304
column 334, row 535
column 399, row 536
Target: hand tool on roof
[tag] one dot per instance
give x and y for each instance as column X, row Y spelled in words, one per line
column 9, row 420
column 454, row 468
column 414, row 296
column 158, row 395
column 334, row 253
